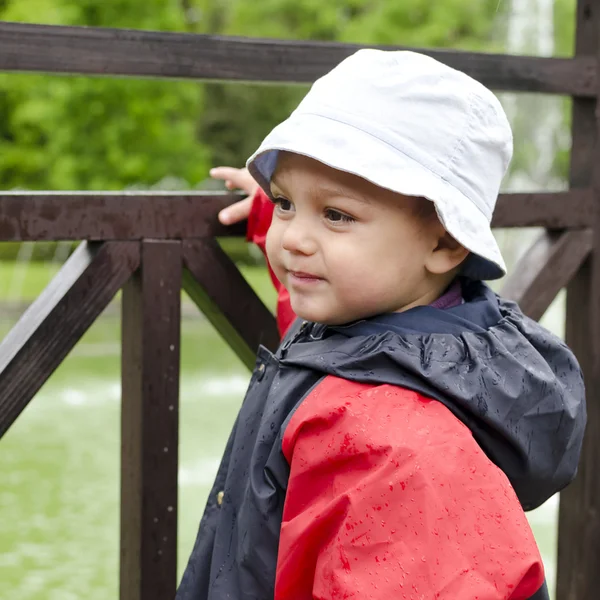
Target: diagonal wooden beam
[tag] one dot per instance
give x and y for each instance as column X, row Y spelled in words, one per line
column 217, row 287
column 546, row 268
column 104, row 51
column 58, row 318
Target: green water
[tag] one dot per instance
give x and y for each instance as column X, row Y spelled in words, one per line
column 59, row 491
column 59, row 495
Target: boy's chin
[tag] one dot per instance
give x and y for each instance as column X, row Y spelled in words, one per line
column 313, row 314
column 322, row 316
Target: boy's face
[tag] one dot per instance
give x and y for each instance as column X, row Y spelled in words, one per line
column 344, row 248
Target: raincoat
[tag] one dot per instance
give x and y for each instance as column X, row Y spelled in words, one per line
column 392, row 457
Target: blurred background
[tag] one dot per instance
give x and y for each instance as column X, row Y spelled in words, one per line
column 59, row 491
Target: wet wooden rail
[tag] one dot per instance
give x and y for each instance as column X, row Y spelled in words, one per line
column 151, row 245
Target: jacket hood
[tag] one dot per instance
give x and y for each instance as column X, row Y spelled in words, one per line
column 516, row 386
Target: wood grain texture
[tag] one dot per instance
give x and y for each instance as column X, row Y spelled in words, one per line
column 552, row 210
column 578, row 576
column 111, row 216
column 149, row 424
column 214, row 283
column 546, row 268
column 100, row 51
column 134, row 216
column 58, row 318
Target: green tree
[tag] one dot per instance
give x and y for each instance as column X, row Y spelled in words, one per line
column 62, row 132
column 564, row 40
column 236, row 117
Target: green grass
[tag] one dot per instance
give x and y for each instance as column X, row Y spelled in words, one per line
column 24, row 281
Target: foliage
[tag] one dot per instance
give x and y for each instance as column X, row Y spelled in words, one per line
column 95, row 133
column 564, row 41
column 234, row 133
column 108, row 133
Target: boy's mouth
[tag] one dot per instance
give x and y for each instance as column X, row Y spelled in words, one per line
column 301, row 277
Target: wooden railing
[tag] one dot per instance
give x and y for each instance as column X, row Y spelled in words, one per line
column 153, row 244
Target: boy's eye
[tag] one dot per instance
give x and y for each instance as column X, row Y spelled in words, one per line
column 335, row 216
column 283, row 204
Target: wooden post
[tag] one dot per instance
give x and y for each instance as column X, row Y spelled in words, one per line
column 579, row 521
column 150, row 383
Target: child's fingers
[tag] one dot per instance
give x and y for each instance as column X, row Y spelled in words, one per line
column 225, row 173
column 236, row 212
column 235, row 178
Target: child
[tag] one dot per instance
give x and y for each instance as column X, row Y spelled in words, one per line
column 389, row 447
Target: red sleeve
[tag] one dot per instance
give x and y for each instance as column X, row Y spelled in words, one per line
column 389, row 496
column 259, row 221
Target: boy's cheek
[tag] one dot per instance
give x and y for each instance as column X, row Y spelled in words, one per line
column 270, row 244
column 273, row 251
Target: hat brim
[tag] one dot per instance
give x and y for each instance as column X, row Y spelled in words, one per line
column 347, row 148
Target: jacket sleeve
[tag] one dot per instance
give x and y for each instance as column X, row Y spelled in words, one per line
column 259, row 221
column 389, row 496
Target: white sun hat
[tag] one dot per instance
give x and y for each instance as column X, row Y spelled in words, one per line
column 411, row 124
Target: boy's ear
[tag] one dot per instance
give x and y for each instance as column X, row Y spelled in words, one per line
column 446, row 256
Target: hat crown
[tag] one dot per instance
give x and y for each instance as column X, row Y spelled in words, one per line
column 440, row 117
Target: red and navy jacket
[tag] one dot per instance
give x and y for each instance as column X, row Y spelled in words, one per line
column 393, row 458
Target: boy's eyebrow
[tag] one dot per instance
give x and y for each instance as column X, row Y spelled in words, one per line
column 272, row 183
column 329, row 191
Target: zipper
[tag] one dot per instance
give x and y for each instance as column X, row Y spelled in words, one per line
column 291, row 340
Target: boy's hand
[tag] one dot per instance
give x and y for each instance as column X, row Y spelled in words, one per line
column 236, row 179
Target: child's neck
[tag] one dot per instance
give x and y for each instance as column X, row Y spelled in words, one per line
column 436, row 296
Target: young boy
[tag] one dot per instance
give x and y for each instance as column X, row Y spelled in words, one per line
column 389, row 447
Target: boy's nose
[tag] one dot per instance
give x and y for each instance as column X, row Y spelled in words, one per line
column 299, row 237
